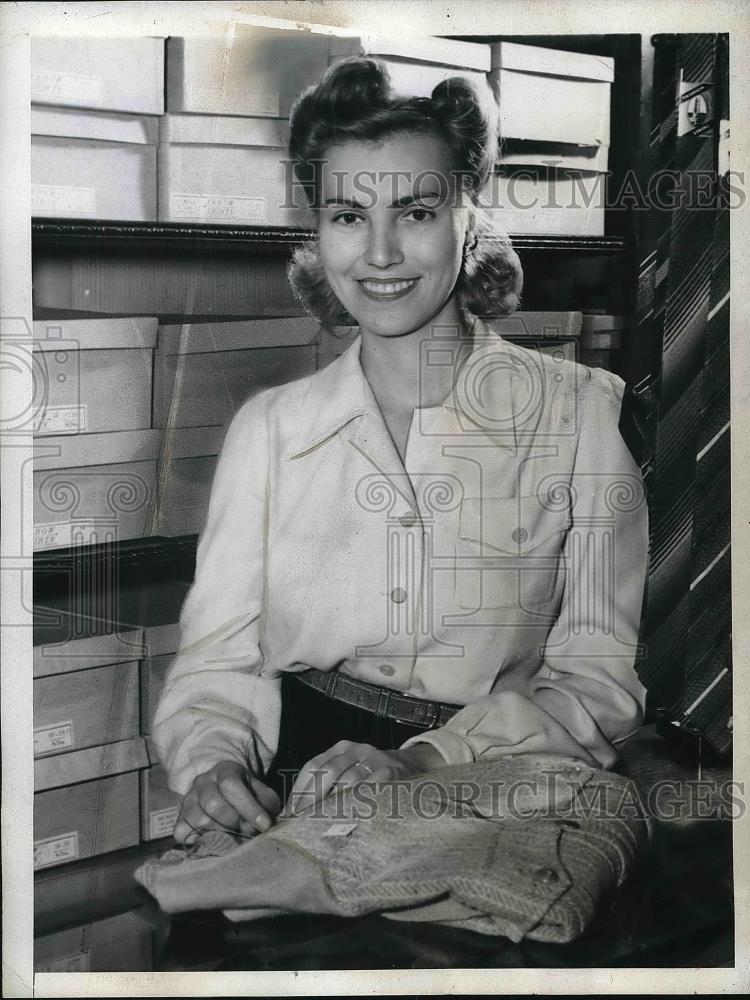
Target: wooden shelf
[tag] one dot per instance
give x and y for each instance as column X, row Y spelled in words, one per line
column 172, row 235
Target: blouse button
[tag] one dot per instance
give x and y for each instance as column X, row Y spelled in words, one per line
column 398, row 595
column 520, row 535
column 546, row 876
column 409, row 519
column 387, row 669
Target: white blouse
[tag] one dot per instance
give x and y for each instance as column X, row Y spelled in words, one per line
column 500, row 567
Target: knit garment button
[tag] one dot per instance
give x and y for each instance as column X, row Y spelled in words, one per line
column 520, row 535
column 387, row 670
column 546, row 876
column 398, row 595
column 409, row 519
column 571, row 772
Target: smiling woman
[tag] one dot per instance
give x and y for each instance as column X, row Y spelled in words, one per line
column 390, row 263
column 431, row 552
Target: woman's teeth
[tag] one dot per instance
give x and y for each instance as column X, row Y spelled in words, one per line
column 387, row 287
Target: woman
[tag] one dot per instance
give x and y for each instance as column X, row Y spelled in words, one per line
column 433, row 550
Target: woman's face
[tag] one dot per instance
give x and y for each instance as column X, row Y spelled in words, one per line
column 391, row 230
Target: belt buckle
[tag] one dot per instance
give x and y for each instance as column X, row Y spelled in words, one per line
column 424, row 713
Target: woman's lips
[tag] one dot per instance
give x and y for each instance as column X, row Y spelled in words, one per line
column 380, row 290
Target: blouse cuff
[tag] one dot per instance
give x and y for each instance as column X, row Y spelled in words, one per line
column 182, row 778
column 452, row 748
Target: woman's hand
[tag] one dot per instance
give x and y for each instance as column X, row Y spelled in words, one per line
column 349, row 763
column 226, row 797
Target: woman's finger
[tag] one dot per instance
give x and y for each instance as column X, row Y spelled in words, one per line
column 308, row 786
column 265, row 795
column 243, row 802
column 320, row 781
column 320, row 762
column 355, row 773
column 192, row 823
column 303, row 788
column 219, row 809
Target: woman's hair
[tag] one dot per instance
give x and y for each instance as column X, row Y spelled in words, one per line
column 354, row 102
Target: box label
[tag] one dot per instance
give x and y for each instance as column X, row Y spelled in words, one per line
column 61, row 420
column 53, row 536
column 55, row 850
column 217, row 207
column 65, row 534
column 62, row 199
column 161, row 822
column 52, row 739
column 77, row 962
column 68, row 88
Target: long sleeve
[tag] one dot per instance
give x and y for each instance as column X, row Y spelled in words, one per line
column 586, row 695
column 216, row 703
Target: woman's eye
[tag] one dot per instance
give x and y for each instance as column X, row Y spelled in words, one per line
column 348, row 218
column 419, row 214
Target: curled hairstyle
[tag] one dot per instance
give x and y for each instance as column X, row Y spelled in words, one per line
column 354, row 102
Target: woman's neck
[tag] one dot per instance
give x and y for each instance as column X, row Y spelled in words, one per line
column 396, row 367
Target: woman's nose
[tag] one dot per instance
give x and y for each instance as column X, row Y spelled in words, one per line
column 383, row 248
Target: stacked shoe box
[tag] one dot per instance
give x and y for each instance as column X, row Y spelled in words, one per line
column 94, row 123
column 416, row 66
column 223, row 142
column 94, row 447
column 554, row 333
column 551, row 173
column 601, row 339
column 204, row 373
column 87, row 746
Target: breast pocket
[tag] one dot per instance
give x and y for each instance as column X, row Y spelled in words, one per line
column 510, row 554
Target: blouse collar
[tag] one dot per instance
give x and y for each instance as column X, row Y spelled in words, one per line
column 483, row 393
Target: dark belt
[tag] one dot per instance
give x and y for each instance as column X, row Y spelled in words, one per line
column 382, row 702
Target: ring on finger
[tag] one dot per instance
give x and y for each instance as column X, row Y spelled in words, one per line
column 361, row 763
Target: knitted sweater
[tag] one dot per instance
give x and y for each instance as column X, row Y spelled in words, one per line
column 521, row 846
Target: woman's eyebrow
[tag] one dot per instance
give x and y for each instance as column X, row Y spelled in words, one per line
column 350, row 202
column 407, row 199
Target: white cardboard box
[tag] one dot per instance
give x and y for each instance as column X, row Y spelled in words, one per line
column 93, row 165
column 228, row 170
column 417, row 66
column 285, row 331
column 91, row 488
column 552, row 95
column 555, row 334
column 86, row 692
column 537, row 325
column 86, row 802
column 558, row 155
column 106, row 74
column 97, row 374
column 534, row 202
column 85, row 708
column 602, row 332
column 52, row 658
column 202, row 379
column 186, row 472
column 246, row 70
